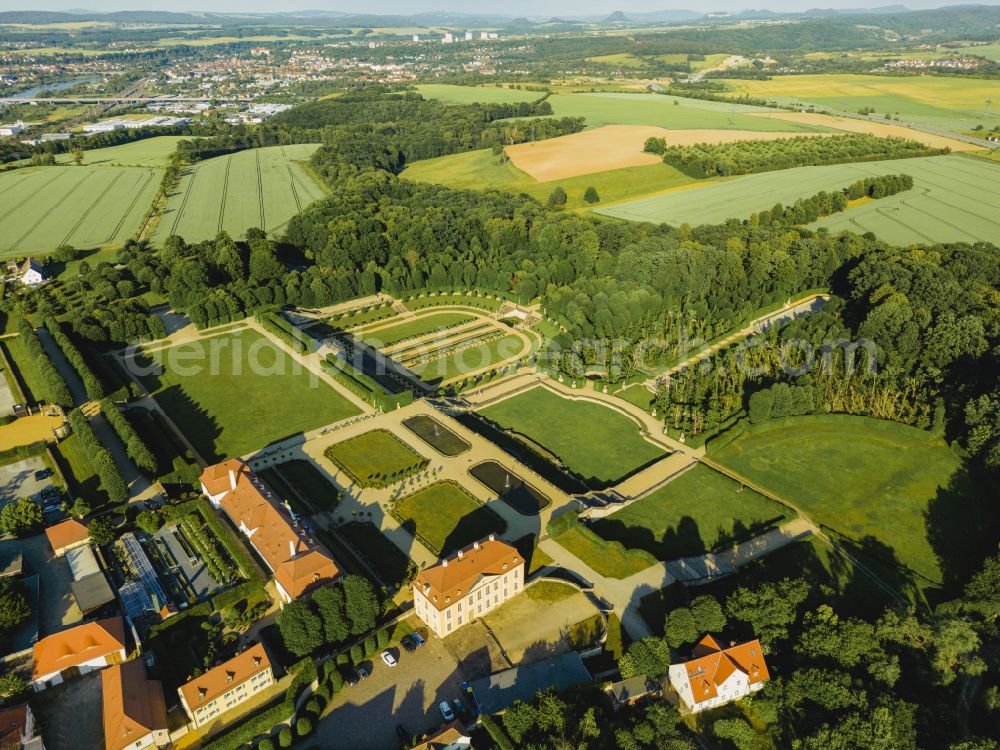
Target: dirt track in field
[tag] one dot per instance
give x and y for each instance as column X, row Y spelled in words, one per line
column 852, row 125
column 615, row 147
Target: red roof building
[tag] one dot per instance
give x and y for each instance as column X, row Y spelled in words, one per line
column 716, row 675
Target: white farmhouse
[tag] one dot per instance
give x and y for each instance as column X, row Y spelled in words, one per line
column 716, row 675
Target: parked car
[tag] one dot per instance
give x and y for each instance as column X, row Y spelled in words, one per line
column 389, row 659
column 362, row 672
column 403, row 733
column 418, row 640
column 408, row 643
column 445, row 708
column 42, row 474
column 351, row 679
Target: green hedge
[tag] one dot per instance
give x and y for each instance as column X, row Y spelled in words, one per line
column 363, row 386
column 100, row 458
column 91, row 383
column 233, row 545
column 137, row 450
column 275, row 324
column 53, row 386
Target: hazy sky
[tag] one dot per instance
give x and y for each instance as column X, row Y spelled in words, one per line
column 508, row 7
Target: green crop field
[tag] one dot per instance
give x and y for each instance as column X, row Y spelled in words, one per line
column 897, row 494
column 262, row 187
column 150, row 152
column 87, row 207
column 483, row 170
column 989, row 51
column 946, row 102
column 238, row 392
column 698, row 512
column 446, row 517
column 476, row 94
column 593, row 441
column 954, row 199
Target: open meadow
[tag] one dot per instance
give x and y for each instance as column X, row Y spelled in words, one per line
column 235, row 393
column 476, row 94
column 945, row 102
column 87, row 207
column 262, row 188
column 890, row 492
column 149, row 152
column 593, row 441
column 953, row 199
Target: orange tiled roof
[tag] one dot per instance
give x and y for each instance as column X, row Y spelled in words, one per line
column 225, row 677
column 450, row 578
column 713, row 665
column 445, row 736
column 297, row 562
column 73, row 647
column 133, row 705
column 66, row 533
column 13, row 722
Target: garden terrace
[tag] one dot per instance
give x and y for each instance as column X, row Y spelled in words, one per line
column 375, row 459
column 392, row 567
column 445, row 517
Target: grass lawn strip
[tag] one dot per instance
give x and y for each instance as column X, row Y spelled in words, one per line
column 430, row 323
column 376, row 458
column 445, row 516
column 471, row 359
column 593, row 441
column 236, row 410
column 698, row 512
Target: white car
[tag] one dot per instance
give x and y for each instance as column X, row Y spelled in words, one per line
column 445, row 708
column 389, row 659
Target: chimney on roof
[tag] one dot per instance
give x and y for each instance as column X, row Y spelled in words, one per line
column 493, row 537
column 444, row 563
column 291, row 548
column 427, row 588
column 232, row 479
column 460, row 554
column 475, row 545
column 202, row 692
column 230, row 676
column 256, row 661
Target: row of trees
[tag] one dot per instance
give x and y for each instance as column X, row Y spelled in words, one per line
column 705, row 160
column 54, row 388
column 91, row 383
column 136, row 448
column 101, row 460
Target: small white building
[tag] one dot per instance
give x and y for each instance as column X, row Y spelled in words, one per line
column 716, row 676
column 447, row 38
column 29, row 273
column 12, row 128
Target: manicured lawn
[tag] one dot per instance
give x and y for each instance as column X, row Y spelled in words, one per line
column 308, row 480
column 424, row 324
column 241, row 393
column 610, row 561
column 897, row 495
column 699, row 511
column 593, row 441
column 470, row 360
column 549, row 592
column 373, row 457
column 81, row 475
column 445, row 517
column 637, row 394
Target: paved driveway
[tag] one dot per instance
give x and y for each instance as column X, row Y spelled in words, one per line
column 57, row 605
column 18, row 480
column 70, row 715
column 365, row 716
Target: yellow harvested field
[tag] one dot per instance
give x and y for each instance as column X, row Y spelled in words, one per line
column 615, row 147
column 28, row 430
column 875, row 128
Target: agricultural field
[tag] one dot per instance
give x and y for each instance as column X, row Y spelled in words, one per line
column 150, row 152
column 953, row 199
column 945, row 102
column 476, row 94
column 262, row 187
column 615, row 147
column 479, row 170
column 989, row 51
column 87, row 207
column 595, row 442
column 895, row 494
column 445, row 516
column 245, row 368
column 699, row 511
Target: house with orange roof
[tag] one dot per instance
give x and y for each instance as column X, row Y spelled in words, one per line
column 715, row 676
column 227, row 685
column 18, row 730
column 135, row 714
column 297, row 562
column 67, row 535
column 467, row 585
column 450, row 737
column 78, row 650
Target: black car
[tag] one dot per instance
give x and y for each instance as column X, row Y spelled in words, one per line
column 403, row 733
column 362, row 673
column 409, row 644
column 351, row 679
column 42, row 474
